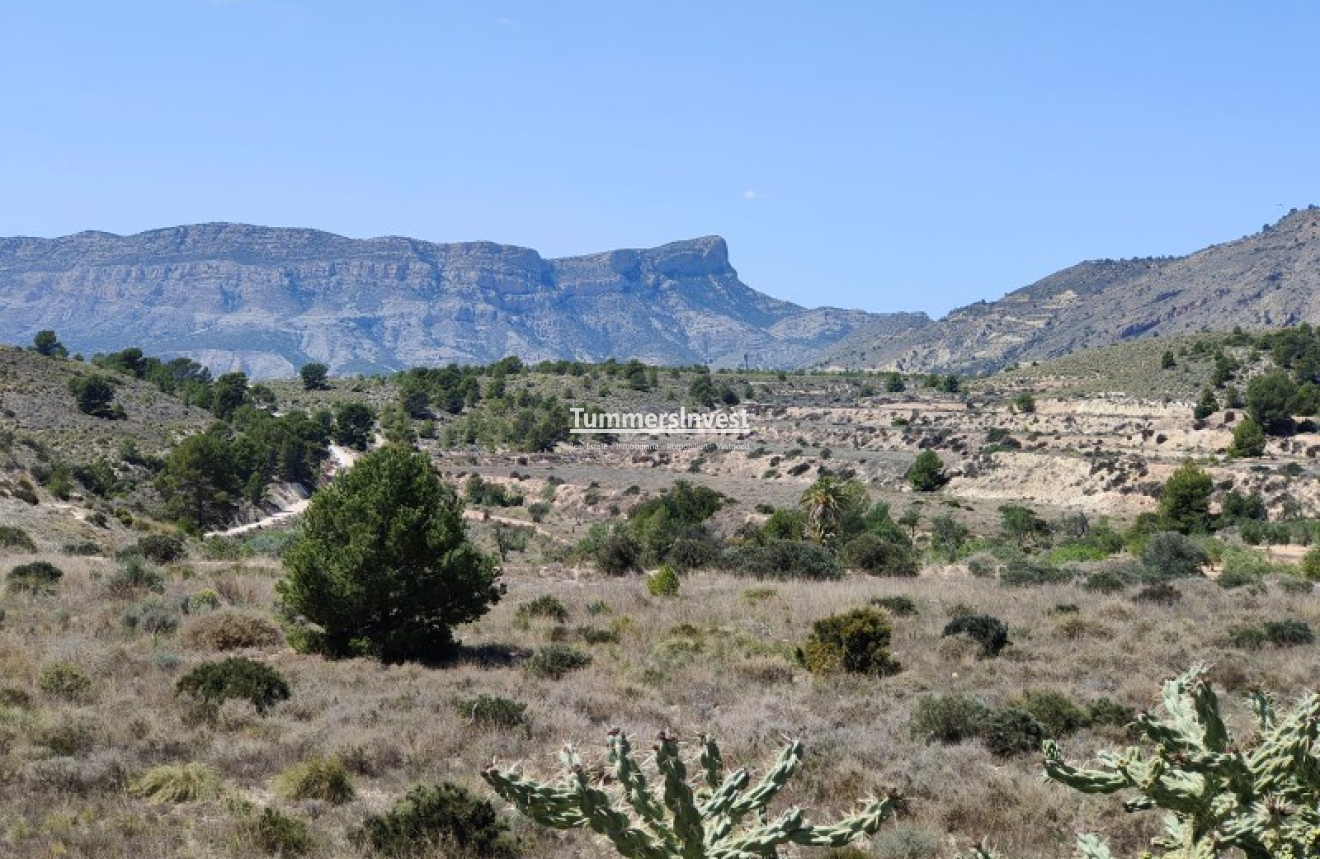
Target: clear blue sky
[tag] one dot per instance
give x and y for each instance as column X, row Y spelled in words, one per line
column 879, row 155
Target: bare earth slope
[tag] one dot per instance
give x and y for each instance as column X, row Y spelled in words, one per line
column 267, row 300
column 1267, row 280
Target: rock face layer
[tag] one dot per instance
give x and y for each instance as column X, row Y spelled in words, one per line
column 267, row 300
column 1269, row 279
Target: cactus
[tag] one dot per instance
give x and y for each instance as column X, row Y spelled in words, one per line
column 673, row 820
column 1260, row 796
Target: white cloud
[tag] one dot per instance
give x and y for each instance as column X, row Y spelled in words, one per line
column 753, row 194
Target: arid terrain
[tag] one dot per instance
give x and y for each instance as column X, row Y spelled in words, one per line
column 88, row 700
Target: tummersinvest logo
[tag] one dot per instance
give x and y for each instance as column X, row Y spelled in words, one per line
column 681, row 422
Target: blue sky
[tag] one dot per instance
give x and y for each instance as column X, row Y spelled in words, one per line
column 888, row 156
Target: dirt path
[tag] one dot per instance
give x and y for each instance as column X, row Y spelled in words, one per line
column 343, row 460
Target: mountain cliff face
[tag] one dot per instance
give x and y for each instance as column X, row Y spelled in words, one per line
column 268, row 300
column 1267, row 280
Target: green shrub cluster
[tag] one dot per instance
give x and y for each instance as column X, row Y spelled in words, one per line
column 439, row 820
column 212, row 683
column 38, row 577
column 663, row 582
column 556, row 661
column 855, row 642
column 15, row 539
column 492, row 711
column 988, row 631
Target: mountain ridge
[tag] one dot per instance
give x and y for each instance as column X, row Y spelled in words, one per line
column 267, row 299
column 1267, row 279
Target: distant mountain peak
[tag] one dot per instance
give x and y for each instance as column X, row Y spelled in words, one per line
column 268, row 299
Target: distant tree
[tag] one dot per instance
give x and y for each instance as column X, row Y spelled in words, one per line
column 1166, row 361
column 947, row 536
column 228, row 393
column 46, row 343
column 384, row 566
column 1248, row 440
column 1025, row 403
column 200, row 481
column 1185, row 502
column 314, row 376
column 894, row 383
column 829, row 503
column 634, row 373
column 927, row 472
column 396, row 425
column 910, row 520
column 1022, row 525
column 1206, row 406
column 1268, row 400
column 950, row 384
column 94, row 394
column 702, row 391
column 353, row 424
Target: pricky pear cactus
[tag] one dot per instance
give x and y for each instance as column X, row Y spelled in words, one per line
column 675, row 821
column 1261, row 797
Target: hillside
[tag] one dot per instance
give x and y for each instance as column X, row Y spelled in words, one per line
column 268, row 300
column 1270, row 279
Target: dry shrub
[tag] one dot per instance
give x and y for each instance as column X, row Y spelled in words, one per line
column 178, row 783
column 320, row 778
column 228, row 629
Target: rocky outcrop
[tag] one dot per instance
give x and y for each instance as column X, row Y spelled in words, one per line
column 1266, row 280
column 267, row 300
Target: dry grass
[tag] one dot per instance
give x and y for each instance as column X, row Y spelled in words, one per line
column 717, row 658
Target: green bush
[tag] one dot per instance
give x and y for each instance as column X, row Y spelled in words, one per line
column 879, row 557
column 620, row 552
column 1311, row 563
column 899, row 605
column 546, row 606
column 784, row 559
column 135, row 578
column 1054, row 710
column 1021, row 573
column 1158, row 592
column 160, row 548
column 663, row 582
column 1103, row 711
column 320, row 778
column 1170, row 555
column 1109, row 580
column 856, row 642
column 438, row 820
column 988, row 631
column 1288, row 633
column 1078, row 552
column 492, row 711
column 1011, row 731
column 38, row 577
column 556, row 661
column 177, row 783
column 277, row 834
column 15, row 539
column 926, row 473
column 64, row 680
column 212, row 683
column 946, row 719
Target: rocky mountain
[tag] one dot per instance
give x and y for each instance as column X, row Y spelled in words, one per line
column 1266, row 280
column 268, row 300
